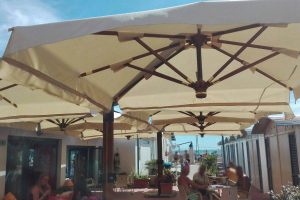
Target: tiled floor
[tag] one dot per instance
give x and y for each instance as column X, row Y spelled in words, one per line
column 138, row 194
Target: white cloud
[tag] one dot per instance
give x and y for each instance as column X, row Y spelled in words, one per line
column 22, row 13
column 296, row 108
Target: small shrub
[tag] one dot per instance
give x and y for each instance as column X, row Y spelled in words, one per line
column 287, row 192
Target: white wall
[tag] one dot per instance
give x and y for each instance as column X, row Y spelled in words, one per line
column 126, row 149
column 246, row 158
column 263, row 161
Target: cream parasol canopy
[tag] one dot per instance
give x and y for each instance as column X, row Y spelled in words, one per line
column 216, row 56
column 180, row 58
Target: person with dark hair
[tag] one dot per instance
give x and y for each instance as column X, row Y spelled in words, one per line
column 231, row 173
column 81, row 191
column 243, row 182
column 42, row 189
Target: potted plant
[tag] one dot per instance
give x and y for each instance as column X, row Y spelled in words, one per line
column 151, row 165
column 167, row 181
column 141, row 181
column 210, row 161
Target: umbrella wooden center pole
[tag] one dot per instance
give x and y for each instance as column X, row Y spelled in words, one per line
column 200, row 85
column 108, row 142
column 159, row 160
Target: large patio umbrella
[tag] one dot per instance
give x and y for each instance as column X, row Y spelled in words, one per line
column 238, row 58
column 149, row 60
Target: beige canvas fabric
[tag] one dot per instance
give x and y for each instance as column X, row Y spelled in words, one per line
column 50, row 60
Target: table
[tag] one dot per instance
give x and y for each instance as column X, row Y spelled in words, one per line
column 216, row 191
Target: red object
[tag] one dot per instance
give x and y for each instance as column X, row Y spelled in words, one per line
column 166, row 188
column 141, row 183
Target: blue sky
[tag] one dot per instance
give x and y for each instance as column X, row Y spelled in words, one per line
column 29, row 12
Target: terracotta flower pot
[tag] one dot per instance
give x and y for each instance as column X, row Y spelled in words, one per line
column 166, row 188
column 140, row 183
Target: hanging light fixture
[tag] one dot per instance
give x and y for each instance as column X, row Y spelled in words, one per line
column 38, row 129
column 128, row 137
column 173, row 138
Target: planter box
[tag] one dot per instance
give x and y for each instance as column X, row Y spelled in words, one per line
column 166, row 188
column 141, row 183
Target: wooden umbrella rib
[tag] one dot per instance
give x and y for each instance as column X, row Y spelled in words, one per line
column 143, row 44
column 257, row 46
column 193, row 124
column 152, row 35
column 132, row 59
column 160, row 75
column 232, row 58
column 80, row 118
column 227, row 53
column 155, row 113
column 76, row 120
column 52, row 121
column 212, row 113
column 273, row 79
column 209, row 124
column 8, row 87
column 187, row 113
column 245, row 67
column 94, row 71
column 140, row 77
column 258, row 70
column 57, row 120
column 191, row 113
column 9, row 101
column 233, row 30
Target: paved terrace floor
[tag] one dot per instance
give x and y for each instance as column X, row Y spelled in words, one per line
column 138, row 194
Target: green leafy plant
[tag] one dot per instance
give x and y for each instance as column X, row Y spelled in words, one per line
column 210, row 161
column 287, row 192
column 151, row 165
column 168, row 177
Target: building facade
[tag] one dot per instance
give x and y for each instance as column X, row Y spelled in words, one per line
column 24, row 156
column 272, row 158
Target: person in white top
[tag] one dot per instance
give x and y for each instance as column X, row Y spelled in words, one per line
column 201, row 178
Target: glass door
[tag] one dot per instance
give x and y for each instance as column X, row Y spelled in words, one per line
column 27, row 159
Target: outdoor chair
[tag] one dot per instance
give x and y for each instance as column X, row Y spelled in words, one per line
column 183, row 193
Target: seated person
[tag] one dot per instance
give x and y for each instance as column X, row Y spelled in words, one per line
column 231, row 173
column 188, row 185
column 42, row 189
column 81, row 191
column 243, row 182
column 201, row 178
